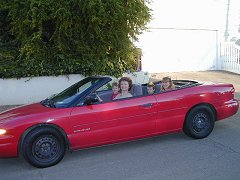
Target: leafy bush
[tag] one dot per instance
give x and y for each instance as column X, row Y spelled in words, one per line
column 88, row 37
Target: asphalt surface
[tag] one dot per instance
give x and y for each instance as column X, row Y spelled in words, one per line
column 173, row 156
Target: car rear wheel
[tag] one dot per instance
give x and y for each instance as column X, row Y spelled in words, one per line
column 199, row 122
column 43, row 147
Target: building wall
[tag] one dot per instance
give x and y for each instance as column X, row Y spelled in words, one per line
column 29, row 90
column 183, row 35
column 174, row 50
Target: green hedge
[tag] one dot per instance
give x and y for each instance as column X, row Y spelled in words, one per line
column 89, row 37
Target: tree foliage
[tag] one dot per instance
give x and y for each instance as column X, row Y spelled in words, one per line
column 89, row 37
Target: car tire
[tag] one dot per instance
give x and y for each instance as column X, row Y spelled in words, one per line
column 199, row 122
column 43, row 147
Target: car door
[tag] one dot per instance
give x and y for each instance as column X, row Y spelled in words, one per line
column 113, row 121
column 170, row 111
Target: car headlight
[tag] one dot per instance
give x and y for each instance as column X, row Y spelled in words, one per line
column 2, row 131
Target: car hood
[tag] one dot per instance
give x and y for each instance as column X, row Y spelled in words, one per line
column 23, row 111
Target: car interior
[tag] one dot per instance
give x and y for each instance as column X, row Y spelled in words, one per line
column 138, row 90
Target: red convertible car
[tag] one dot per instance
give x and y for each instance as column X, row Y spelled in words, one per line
column 76, row 119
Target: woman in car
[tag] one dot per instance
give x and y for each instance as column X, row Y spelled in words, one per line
column 125, row 84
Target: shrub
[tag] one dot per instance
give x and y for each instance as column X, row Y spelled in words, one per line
column 88, row 37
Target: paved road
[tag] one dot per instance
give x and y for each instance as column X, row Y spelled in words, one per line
column 173, row 156
column 168, row 157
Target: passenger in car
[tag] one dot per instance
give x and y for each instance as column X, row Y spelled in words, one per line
column 167, row 84
column 115, row 90
column 125, row 84
column 150, row 88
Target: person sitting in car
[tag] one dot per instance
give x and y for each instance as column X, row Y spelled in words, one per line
column 167, row 84
column 125, row 84
column 115, row 90
column 150, row 88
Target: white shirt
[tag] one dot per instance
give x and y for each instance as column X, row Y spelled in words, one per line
column 121, row 96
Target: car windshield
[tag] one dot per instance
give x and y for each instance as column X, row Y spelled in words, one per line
column 69, row 94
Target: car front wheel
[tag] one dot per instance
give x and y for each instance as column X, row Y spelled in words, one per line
column 199, row 122
column 43, row 147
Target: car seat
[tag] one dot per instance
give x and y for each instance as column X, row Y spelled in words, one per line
column 157, row 88
column 136, row 90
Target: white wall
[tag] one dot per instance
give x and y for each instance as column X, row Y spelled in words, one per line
column 198, row 14
column 28, row 90
column 167, row 50
column 170, row 45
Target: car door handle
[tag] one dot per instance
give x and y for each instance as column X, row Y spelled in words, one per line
column 147, row 105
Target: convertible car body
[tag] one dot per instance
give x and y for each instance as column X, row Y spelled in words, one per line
column 76, row 119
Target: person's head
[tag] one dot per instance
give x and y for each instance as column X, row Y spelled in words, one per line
column 115, row 88
column 167, row 83
column 125, row 84
column 150, row 88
